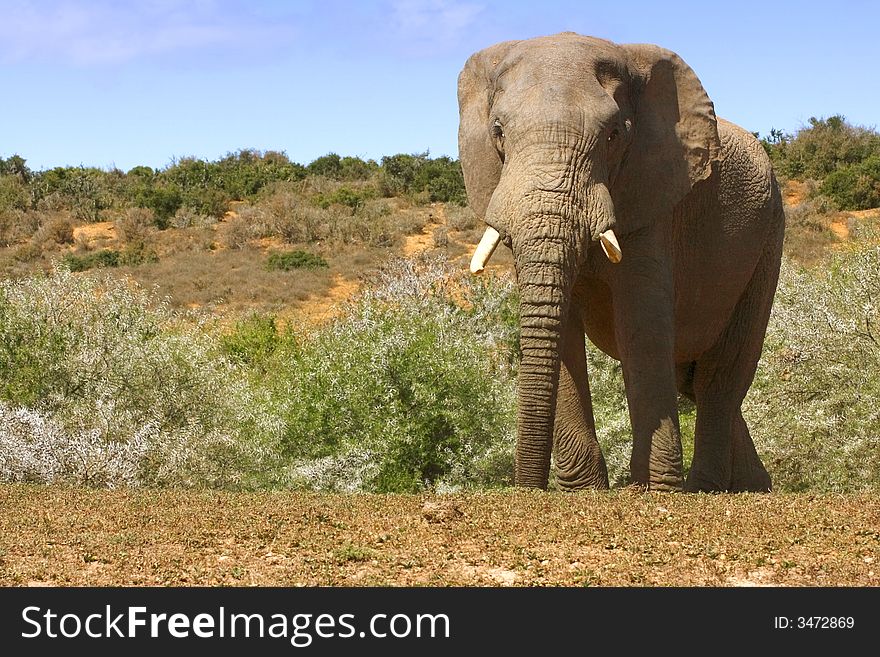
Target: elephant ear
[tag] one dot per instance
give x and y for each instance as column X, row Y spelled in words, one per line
column 675, row 140
column 480, row 161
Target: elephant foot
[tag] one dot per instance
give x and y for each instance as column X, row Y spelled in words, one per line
column 701, row 483
column 581, row 484
column 662, row 484
column 755, row 480
column 667, row 486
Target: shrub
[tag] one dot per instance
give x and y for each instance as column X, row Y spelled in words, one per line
column 292, row 218
column 164, row 201
column 440, row 179
column 14, row 194
column 287, row 260
column 808, row 231
column 17, row 226
column 56, row 228
column 135, row 225
column 254, row 340
column 813, row 408
column 250, row 224
column 823, row 147
column 35, row 449
column 461, row 218
column 84, row 191
column 328, row 166
column 412, row 388
column 243, row 174
column 345, row 196
column 16, row 166
column 856, row 186
column 102, row 258
column 94, row 366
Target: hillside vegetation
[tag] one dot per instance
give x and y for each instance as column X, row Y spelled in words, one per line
column 151, row 333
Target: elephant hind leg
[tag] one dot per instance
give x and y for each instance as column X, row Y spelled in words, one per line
column 748, row 474
column 577, row 455
column 725, row 458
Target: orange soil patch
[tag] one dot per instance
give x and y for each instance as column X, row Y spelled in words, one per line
column 424, row 241
column 103, row 231
column 840, row 228
column 320, row 310
column 840, row 225
column 794, row 193
column 872, row 214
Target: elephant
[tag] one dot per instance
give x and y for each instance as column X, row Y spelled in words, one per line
column 638, row 218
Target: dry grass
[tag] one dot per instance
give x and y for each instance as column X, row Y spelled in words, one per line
column 228, row 281
column 64, row 536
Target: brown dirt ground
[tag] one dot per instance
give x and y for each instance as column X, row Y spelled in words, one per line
column 76, row 537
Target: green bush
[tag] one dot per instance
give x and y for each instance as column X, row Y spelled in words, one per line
column 135, row 253
column 342, row 168
column 856, row 186
column 440, row 178
column 823, row 147
column 16, row 166
column 103, row 258
column 84, row 191
column 254, row 340
column 287, row 260
column 14, row 194
column 408, row 390
column 164, row 201
column 350, row 198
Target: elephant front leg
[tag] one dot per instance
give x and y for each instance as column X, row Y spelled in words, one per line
column 645, row 333
column 578, row 457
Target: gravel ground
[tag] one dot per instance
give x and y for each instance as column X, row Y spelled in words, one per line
column 53, row 536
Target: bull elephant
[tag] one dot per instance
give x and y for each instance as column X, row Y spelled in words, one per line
column 638, row 218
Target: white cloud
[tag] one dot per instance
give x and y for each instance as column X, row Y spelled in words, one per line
column 433, row 23
column 105, row 32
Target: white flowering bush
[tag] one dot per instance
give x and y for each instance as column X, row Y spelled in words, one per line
column 813, row 408
column 108, row 370
column 412, row 387
column 35, row 449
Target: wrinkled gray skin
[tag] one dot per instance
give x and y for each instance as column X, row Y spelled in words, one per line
column 566, row 136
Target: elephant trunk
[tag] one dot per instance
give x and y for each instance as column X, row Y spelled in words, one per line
column 552, row 220
column 546, row 268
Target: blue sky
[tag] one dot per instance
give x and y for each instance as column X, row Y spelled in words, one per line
column 107, row 83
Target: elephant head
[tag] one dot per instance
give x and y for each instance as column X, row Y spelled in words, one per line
column 569, row 144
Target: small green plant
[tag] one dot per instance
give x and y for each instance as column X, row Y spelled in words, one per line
column 102, row 258
column 287, row 260
column 255, row 339
column 350, row 552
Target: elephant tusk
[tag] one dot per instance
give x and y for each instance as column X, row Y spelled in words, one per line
column 610, row 246
column 484, row 250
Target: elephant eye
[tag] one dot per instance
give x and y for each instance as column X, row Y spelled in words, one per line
column 497, row 130
column 614, row 135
